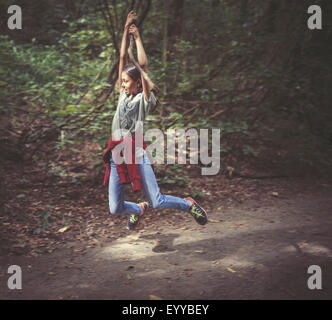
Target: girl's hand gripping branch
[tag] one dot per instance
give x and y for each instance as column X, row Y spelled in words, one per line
column 131, row 18
column 134, row 31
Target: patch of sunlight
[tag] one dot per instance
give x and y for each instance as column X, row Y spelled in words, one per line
column 128, row 248
column 236, row 263
column 315, row 249
column 289, row 249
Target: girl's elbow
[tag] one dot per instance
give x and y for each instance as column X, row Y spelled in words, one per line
column 144, row 66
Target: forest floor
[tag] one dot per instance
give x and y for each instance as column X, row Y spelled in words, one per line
column 264, row 231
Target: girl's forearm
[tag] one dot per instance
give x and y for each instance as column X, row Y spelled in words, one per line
column 124, row 43
column 141, row 55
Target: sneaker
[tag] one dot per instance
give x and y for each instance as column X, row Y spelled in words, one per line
column 197, row 212
column 133, row 219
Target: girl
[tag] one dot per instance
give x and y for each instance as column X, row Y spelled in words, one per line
column 135, row 101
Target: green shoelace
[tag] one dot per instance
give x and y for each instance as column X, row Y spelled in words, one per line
column 133, row 218
column 197, row 211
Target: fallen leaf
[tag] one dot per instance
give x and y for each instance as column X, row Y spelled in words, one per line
column 213, row 221
column 19, row 245
column 64, row 229
column 199, row 251
column 231, row 270
column 153, row 297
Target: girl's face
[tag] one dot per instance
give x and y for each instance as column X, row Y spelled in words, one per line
column 129, row 85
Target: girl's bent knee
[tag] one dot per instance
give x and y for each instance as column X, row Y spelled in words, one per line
column 156, row 203
column 115, row 210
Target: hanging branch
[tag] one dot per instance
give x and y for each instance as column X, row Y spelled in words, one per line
column 144, row 14
column 100, row 9
column 124, row 14
column 112, row 26
column 116, row 15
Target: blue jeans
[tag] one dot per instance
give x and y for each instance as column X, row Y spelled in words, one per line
column 116, row 192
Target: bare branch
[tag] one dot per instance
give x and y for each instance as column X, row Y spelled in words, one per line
column 113, row 32
column 144, row 14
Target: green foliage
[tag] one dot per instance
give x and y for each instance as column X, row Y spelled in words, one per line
column 233, row 127
column 197, row 194
column 247, row 150
column 256, row 60
column 208, row 94
column 176, row 175
column 44, row 222
column 63, row 79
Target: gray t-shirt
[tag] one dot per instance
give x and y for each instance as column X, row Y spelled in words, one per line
column 131, row 113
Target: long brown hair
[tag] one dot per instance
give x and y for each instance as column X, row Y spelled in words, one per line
column 132, row 71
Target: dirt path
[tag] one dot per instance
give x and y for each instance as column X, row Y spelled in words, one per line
column 259, row 249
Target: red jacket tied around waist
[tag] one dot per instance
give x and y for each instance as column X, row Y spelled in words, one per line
column 128, row 171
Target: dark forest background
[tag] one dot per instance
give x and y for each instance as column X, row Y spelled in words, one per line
column 253, row 69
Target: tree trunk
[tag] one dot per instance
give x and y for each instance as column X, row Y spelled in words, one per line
column 164, row 50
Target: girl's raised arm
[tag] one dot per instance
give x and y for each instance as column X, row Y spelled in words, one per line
column 142, row 59
column 131, row 18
